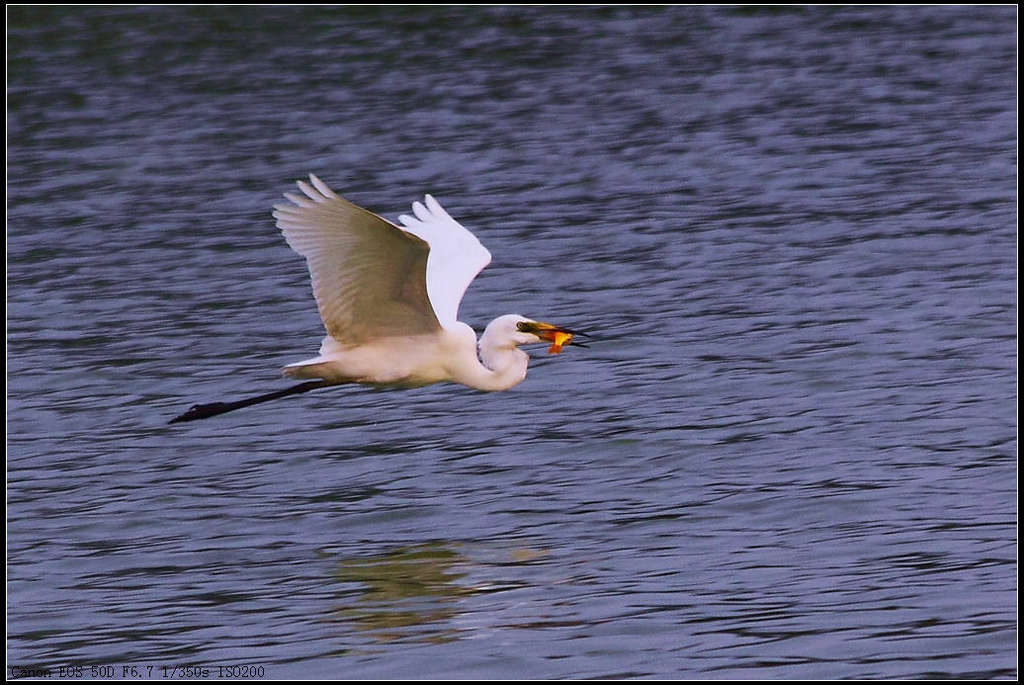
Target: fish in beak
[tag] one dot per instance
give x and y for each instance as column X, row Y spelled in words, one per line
column 558, row 336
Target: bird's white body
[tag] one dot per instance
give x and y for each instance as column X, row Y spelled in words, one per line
column 450, row 354
column 389, row 297
column 412, row 360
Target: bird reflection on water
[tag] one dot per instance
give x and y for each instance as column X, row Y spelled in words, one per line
column 405, row 592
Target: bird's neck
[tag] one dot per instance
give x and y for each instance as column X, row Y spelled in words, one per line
column 500, row 365
column 504, row 365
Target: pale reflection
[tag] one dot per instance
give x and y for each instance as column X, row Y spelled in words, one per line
column 410, row 588
column 413, row 593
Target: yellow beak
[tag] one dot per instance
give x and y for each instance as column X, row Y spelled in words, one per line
column 558, row 336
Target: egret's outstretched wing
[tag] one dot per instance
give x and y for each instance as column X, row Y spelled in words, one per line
column 369, row 276
column 456, row 257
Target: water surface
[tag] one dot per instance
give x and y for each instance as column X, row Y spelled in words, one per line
column 791, row 454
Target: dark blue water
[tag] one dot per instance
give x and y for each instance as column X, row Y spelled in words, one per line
column 790, row 454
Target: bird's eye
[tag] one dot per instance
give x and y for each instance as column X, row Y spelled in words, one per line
column 523, row 326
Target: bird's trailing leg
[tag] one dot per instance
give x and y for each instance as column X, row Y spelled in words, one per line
column 203, row 411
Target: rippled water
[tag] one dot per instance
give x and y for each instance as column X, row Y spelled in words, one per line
column 790, row 454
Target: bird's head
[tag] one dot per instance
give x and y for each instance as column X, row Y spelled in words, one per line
column 520, row 330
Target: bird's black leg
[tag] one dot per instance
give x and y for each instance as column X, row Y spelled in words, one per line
column 203, row 411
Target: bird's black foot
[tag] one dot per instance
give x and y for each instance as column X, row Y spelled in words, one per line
column 202, row 411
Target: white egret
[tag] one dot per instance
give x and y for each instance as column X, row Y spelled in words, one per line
column 389, row 298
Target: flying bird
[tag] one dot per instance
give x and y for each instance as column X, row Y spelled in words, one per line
column 389, row 298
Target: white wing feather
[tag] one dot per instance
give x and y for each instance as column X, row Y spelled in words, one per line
column 369, row 275
column 456, row 257
column 372, row 278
